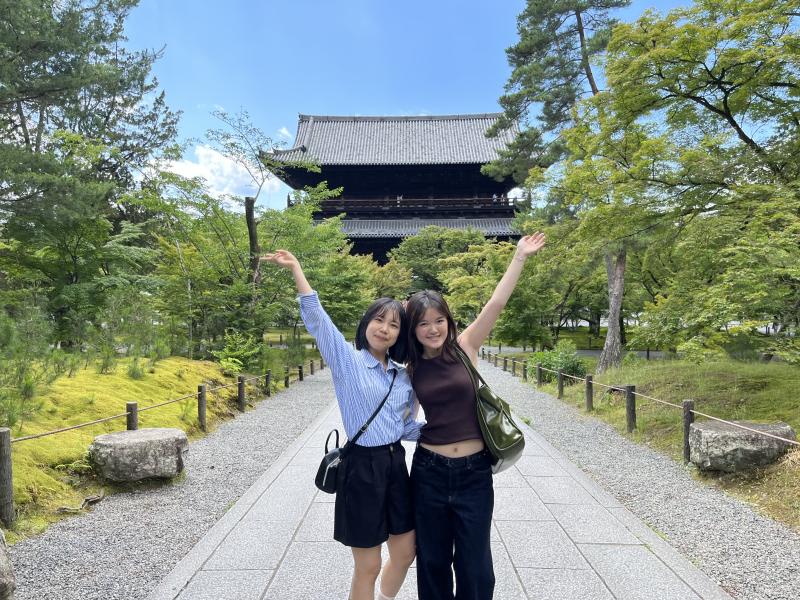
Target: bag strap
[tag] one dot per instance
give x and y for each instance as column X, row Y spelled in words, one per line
column 473, row 372
column 377, row 410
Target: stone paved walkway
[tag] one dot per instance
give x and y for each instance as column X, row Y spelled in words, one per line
column 555, row 535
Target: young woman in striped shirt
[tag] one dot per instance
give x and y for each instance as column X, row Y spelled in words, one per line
column 374, row 502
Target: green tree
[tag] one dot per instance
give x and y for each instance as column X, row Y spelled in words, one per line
column 717, row 84
column 552, row 69
column 421, row 253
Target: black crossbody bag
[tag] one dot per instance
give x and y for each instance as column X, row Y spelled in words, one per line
column 327, row 474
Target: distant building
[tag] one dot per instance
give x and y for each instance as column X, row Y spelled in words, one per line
column 400, row 174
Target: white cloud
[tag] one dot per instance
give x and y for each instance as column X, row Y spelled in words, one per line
column 222, row 175
column 284, row 133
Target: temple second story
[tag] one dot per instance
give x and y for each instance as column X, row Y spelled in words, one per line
column 400, row 174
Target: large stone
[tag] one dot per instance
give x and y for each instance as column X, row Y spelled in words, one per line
column 141, row 454
column 718, row 446
column 8, row 582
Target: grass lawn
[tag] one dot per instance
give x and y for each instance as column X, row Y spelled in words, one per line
column 732, row 390
column 51, row 473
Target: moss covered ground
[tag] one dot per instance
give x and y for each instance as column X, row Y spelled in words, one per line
column 52, row 474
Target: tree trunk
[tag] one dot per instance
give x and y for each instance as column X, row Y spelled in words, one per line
column 611, row 356
column 254, row 276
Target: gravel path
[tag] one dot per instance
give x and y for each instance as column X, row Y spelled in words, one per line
column 130, row 541
column 751, row 556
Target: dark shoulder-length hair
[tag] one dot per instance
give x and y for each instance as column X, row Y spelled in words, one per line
column 399, row 351
column 415, row 309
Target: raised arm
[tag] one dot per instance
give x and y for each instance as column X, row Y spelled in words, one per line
column 474, row 335
column 333, row 347
column 287, row 260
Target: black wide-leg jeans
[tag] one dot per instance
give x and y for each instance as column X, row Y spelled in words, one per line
column 453, row 503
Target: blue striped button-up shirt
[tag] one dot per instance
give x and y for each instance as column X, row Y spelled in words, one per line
column 361, row 382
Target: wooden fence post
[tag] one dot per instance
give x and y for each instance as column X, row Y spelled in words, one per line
column 505, row 363
column 513, row 367
column 525, row 370
column 268, row 382
column 589, row 394
column 286, row 377
column 560, row 384
column 132, row 409
column 280, row 339
column 630, row 407
column 495, row 360
column 201, row 406
column 321, row 363
column 538, row 374
column 688, row 419
column 6, row 482
column 240, row 394
column 299, row 372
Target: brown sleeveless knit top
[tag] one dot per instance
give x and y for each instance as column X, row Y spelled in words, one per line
column 447, row 396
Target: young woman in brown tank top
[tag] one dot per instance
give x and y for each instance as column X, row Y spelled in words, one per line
column 451, row 472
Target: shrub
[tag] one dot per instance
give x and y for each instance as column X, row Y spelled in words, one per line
column 135, row 370
column 563, row 358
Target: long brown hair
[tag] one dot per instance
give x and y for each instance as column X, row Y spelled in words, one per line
column 415, row 309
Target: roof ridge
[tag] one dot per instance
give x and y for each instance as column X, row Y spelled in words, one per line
column 451, row 117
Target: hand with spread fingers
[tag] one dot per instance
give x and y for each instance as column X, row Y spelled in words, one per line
column 530, row 244
column 287, row 260
column 282, row 258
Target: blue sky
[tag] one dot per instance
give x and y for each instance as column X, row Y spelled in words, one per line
column 332, row 57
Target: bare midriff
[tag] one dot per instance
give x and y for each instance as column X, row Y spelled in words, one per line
column 456, row 449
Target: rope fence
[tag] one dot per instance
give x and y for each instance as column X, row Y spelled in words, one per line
column 687, row 407
column 290, row 375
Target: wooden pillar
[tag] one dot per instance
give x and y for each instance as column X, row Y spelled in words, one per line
column 299, row 372
column 240, row 394
column 132, row 409
column 538, row 374
column 630, row 407
column 201, row 406
column 268, row 382
column 688, row 419
column 589, row 394
column 6, row 481
column 560, row 385
column 525, row 370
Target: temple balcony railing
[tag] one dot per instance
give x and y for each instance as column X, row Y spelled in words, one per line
column 482, row 204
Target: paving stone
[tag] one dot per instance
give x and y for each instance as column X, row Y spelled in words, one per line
column 252, row 545
column 317, row 525
column 540, row 544
column 313, row 571
column 598, row 493
column 323, row 497
column 506, row 585
column 308, row 456
column 539, row 466
column 562, row 584
column 226, row 585
column 283, row 504
column 510, row 478
column 635, row 573
column 591, row 524
column 519, row 504
column 296, row 476
column 532, row 448
column 560, row 490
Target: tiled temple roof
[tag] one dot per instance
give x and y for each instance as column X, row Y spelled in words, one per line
column 447, row 139
column 399, row 228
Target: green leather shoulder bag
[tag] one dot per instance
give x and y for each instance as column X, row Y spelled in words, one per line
column 503, row 438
